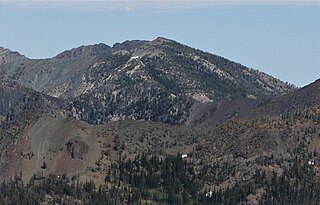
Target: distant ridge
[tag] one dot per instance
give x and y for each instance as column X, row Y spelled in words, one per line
column 160, row 80
column 244, row 109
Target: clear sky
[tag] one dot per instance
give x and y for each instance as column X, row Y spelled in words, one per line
column 279, row 38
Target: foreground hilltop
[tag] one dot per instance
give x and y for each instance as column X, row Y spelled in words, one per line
column 239, row 161
column 159, row 80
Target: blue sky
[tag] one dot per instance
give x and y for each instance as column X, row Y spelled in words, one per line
column 279, row 38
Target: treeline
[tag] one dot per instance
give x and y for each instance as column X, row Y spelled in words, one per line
column 167, row 180
column 150, row 179
column 51, row 190
column 173, row 180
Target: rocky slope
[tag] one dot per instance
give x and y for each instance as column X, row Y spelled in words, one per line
column 210, row 114
column 156, row 80
column 41, row 139
column 38, row 126
column 19, row 110
column 8, row 56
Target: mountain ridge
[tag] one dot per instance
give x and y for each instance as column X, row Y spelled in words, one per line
column 116, row 80
column 244, row 109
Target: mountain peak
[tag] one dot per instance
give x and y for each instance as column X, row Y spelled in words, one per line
column 128, row 45
column 105, row 86
column 162, row 39
column 88, row 50
column 7, row 55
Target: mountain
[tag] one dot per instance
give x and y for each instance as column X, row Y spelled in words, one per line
column 154, row 122
column 159, row 80
column 210, row 114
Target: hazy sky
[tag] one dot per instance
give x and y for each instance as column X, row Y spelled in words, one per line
column 279, row 38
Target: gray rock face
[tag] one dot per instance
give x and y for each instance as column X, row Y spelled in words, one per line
column 157, row 80
column 9, row 96
column 8, row 56
column 18, row 104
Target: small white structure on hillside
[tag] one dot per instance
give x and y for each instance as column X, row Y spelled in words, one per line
column 135, row 57
column 184, row 156
column 311, row 162
column 209, row 194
